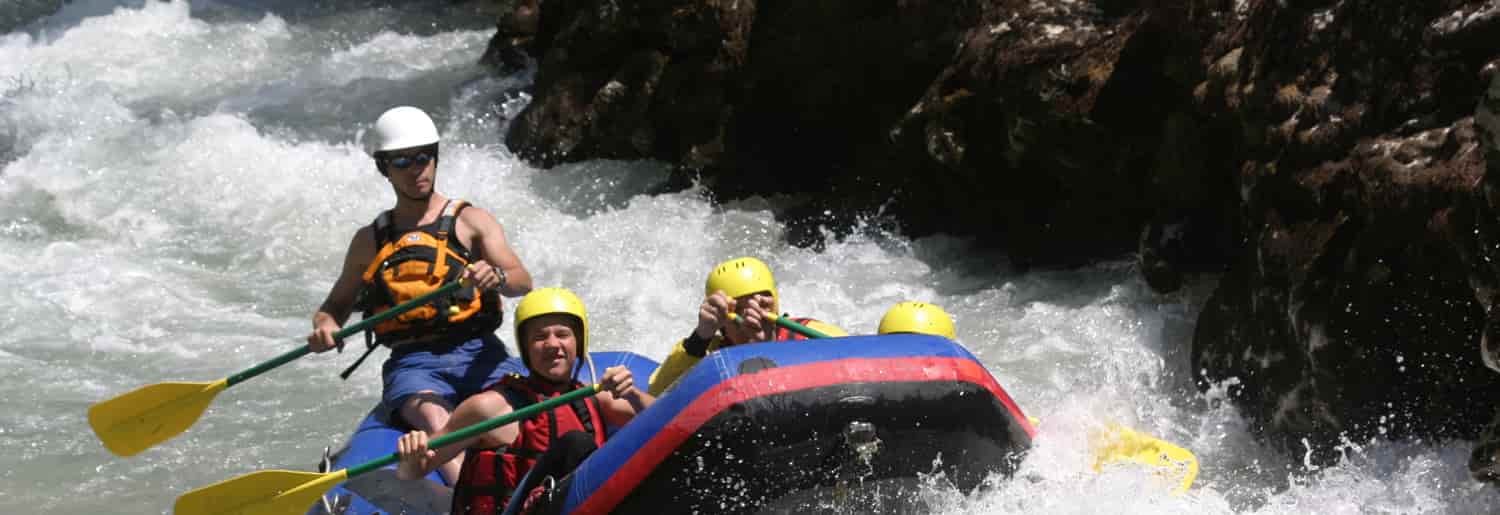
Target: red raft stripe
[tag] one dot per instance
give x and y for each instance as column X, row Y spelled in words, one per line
column 781, row 380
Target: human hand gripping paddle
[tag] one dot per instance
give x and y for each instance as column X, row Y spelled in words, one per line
column 1114, row 445
column 149, row 415
column 276, row 492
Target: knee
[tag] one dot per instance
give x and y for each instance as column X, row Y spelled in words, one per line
column 426, row 411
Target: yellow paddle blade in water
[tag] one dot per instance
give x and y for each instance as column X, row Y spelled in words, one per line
column 268, row 492
column 1120, row 444
column 151, row 414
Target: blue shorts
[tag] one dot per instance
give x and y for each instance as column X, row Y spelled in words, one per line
column 454, row 372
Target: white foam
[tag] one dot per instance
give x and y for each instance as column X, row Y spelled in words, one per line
column 389, row 55
column 140, row 53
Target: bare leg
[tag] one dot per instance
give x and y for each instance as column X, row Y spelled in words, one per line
column 429, row 412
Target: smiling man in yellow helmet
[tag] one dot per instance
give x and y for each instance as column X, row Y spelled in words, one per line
column 743, row 286
column 552, row 337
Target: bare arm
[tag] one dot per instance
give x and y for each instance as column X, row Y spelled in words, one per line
column 490, row 245
column 621, row 401
column 337, row 306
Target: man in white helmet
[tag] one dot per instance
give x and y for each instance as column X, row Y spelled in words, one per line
column 447, row 350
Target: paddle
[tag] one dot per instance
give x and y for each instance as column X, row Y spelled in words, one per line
column 787, row 323
column 1170, row 462
column 149, row 415
column 271, row 492
column 1116, row 444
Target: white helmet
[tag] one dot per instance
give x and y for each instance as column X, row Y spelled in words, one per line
column 401, row 127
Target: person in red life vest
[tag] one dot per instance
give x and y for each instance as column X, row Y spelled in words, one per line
column 552, row 334
column 445, row 351
column 743, row 286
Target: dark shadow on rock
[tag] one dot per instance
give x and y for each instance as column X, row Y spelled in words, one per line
column 15, row 14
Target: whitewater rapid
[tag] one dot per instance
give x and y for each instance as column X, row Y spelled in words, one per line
column 178, row 181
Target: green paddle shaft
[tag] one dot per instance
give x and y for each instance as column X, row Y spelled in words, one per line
column 789, row 324
column 344, row 333
column 465, row 433
column 805, row 330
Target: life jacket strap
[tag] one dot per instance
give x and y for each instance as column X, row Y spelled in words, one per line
column 385, row 232
column 529, row 454
column 438, row 268
column 369, row 349
column 446, row 222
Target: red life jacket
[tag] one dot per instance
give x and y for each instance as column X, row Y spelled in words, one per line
column 489, row 477
column 784, row 334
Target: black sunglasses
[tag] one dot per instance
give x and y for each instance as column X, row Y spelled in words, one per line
column 404, row 162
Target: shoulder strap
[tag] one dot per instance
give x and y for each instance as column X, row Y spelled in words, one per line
column 444, row 225
column 384, row 229
column 584, row 409
column 516, row 383
column 449, row 219
column 520, row 395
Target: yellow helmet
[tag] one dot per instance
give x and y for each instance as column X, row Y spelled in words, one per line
column 741, row 276
column 917, row 317
column 548, row 301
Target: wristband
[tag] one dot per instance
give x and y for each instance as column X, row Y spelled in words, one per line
column 695, row 346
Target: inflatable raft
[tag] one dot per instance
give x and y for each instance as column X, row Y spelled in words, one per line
column 772, row 426
column 380, row 492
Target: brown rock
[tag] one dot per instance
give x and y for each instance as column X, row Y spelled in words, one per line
column 1327, row 152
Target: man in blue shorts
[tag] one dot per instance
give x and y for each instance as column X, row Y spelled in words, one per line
column 446, row 350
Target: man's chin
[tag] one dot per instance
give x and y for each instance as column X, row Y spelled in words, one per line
column 556, row 372
column 422, row 198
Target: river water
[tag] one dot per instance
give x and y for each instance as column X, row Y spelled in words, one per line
column 178, row 181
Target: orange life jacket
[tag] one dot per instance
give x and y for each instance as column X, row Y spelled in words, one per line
column 489, row 477
column 417, row 262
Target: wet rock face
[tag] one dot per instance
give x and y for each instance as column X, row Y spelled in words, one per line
column 1050, row 114
column 1356, row 307
column 1351, row 314
column 17, row 13
column 1026, row 124
column 1326, row 156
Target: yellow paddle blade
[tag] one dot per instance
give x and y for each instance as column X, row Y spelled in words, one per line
column 268, row 492
column 150, row 415
column 1119, row 444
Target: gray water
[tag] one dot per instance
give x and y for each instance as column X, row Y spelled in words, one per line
column 178, row 181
